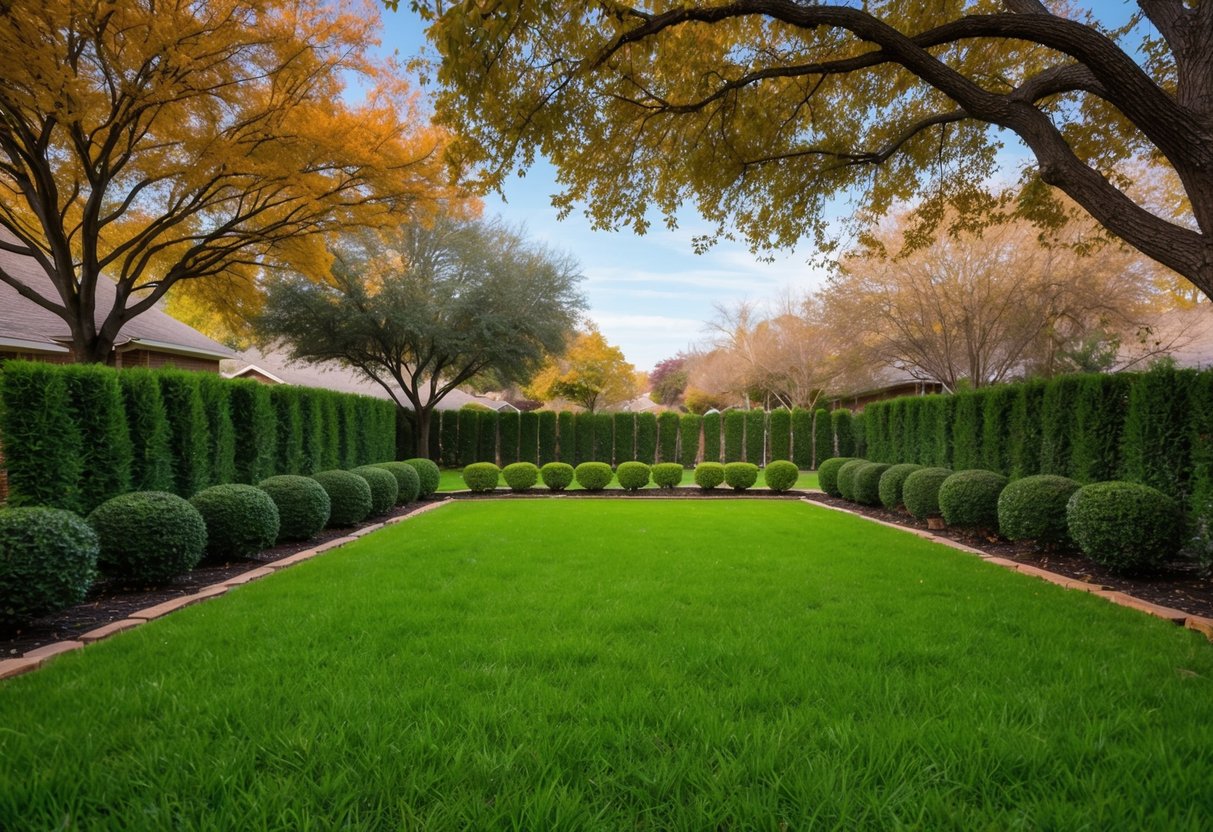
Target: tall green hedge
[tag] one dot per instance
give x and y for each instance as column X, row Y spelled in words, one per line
column 859, row 434
column 755, row 436
column 566, row 437
column 779, row 438
column 254, row 423
column 147, row 425
column 528, row 437
column 844, row 438
column 734, row 436
column 823, row 437
column 1026, row 428
column 469, row 437
column 507, row 436
column 604, row 437
column 221, row 455
column 288, row 413
column 997, row 412
column 95, row 404
column 802, row 438
column 347, row 434
column 668, row 425
column 625, row 438
column 42, row 446
column 546, row 429
column 490, row 421
column 646, row 438
column 1057, row 424
column 967, row 431
column 1157, row 445
column 711, row 437
column 448, row 437
column 583, row 427
column 189, row 434
column 690, row 431
column 1099, row 422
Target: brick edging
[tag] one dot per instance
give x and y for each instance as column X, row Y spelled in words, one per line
column 1200, row 624
column 36, row 658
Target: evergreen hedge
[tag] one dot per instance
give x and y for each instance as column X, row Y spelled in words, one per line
column 779, row 434
column 583, row 437
column 254, row 423
column 844, row 438
column 646, row 438
column 221, row 434
column 147, row 426
column 95, row 405
column 1057, row 424
column 803, row 446
column 448, row 437
column 734, row 435
column 711, row 438
column 1099, row 422
column 604, row 438
column 967, row 430
column 469, row 436
column 1026, row 429
column 667, row 436
column 489, row 422
column 755, row 437
column 508, row 435
column 545, row 437
column 566, row 438
column 823, row 438
column 625, row 438
column 690, row 429
column 288, row 415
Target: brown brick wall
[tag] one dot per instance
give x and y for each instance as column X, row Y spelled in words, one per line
column 156, row 360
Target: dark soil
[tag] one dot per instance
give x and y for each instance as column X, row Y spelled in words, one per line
column 108, row 602
column 1180, row 585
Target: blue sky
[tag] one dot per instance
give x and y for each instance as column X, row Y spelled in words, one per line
column 651, row 295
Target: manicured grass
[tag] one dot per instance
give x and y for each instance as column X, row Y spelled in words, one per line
column 452, row 480
column 624, row 665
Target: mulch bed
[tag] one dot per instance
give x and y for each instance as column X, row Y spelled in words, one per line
column 1179, row 585
column 108, row 602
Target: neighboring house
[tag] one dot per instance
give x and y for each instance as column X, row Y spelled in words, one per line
column 895, row 387
column 641, row 404
column 153, row 339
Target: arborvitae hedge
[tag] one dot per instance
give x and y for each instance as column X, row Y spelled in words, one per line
column 147, row 425
column 690, row 427
column 254, row 422
column 1200, row 443
column 1157, row 445
column 823, row 437
column 469, row 437
column 646, row 438
column 967, row 431
column 734, row 436
column 1026, row 429
column 802, row 438
column 189, row 435
column 547, row 428
column 566, row 438
column 859, row 433
column 667, row 436
column 489, row 422
column 844, row 438
column 625, row 438
column 779, row 437
column 216, row 403
column 528, row 437
column 1099, row 420
column 42, row 443
column 583, row 428
column 95, row 404
column 448, row 437
column 755, row 437
column 332, row 432
column 347, row 422
column 997, row 414
column 604, row 437
column 507, row 437
column 288, row 413
column 711, row 437
column 1057, row 425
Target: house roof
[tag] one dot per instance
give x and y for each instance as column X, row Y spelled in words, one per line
column 26, row 326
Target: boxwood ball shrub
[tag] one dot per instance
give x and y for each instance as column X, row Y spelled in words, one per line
column 780, row 475
column 593, row 476
column 891, row 483
column 633, row 476
column 867, row 483
column 520, row 476
column 920, row 491
column 740, row 475
column 667, row 474
column 240, row 520
column 1034, row 508
column 481, row 476
column 557, row 475
column 408, row 484
column 303, row 505
column 48, row 561
column 148, row 536
column 384, row 489
column 349, row 496
column 1124, row 526
column 708, row 475
column 969, row 499
column 827, row 474
column 427, row 473
column 846, row 478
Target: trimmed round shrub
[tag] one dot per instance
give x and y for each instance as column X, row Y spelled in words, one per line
column 633, row 476
column 667, row 474
column 349, row 496
column 846, row 477
column 891, row 482
column 1124, row 526
column 148, row 536
column 384, row 488
column 520, row 476
column 48, row 561
column 920, row 491
column 557, row 475
column 867, row 483
column 740, row 475
column 428, row 475
column 1034, row 508
column 303, row 505
column 241, row 520
column 969, row 499
column 827, row 474
column 780, row 475
column 481, row 476
column 408, row 483
column 593, row 476
column 708, row 475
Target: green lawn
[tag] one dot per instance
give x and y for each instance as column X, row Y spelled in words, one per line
column 452, row 480
column 723, row 665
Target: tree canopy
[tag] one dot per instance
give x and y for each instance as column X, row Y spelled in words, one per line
column 761, row 112
column 157, row 144
column 589, row 372
column 425, row 308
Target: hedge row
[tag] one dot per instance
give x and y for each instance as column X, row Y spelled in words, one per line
column 76, row 435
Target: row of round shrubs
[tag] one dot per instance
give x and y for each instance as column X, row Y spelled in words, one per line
column 1124, row 526
column 632, row 476
column 49, row 558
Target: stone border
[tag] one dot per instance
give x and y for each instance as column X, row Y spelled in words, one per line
column 40, row 656
column 1200, row 624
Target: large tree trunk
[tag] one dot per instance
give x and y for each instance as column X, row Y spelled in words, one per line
column 422, row 434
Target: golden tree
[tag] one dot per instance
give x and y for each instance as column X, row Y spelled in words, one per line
column 591, row 373
column 163, row 143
